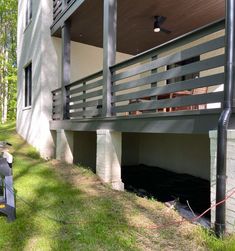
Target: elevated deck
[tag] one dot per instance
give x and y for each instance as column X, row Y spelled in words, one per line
column 176, row 87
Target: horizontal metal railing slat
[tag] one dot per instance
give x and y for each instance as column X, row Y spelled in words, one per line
column 86, row 104
column 86, row 96
column 174, row 87
column 174, row 102
column 91, row 113
column 206, row 64
column 173, row 58
column 86, row 87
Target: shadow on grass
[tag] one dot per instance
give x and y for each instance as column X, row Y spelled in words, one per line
column 93, row 221
column 86, row 214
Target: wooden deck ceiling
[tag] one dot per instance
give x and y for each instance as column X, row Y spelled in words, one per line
column 135, row 21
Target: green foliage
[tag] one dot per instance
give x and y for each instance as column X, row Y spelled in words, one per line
column 34, row 154
column 216, row 244
column 8, row 69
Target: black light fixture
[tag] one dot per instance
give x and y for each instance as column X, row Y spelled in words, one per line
column 156, row 27
column 158, row 21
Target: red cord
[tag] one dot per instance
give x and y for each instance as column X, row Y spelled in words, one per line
column 195, row 218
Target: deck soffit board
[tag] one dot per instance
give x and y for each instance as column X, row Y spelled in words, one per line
column 135, row 21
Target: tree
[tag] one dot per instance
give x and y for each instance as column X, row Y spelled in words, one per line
column 8, row 68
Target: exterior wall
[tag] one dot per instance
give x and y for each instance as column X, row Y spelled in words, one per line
column 36, row 45
column 85, row 149
column 85, row 59
column 28, row 49
column 130, row 149
column 179, row 153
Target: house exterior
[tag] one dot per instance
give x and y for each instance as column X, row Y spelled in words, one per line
column 98, row 87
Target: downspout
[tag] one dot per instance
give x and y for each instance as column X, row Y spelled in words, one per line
column 223, row 124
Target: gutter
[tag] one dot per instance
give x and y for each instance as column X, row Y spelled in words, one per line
column 223, row 123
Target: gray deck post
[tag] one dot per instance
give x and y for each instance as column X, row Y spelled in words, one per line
column 109, row 51
column 65, row 71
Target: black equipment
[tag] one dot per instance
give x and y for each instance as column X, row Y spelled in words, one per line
column 7, row 197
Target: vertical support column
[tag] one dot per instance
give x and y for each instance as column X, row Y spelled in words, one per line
column 230, row 178
column 65, row 64
column 65, row 146
column 108, row 158
column 109, row 51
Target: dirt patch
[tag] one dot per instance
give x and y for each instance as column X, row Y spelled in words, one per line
column 141, row 214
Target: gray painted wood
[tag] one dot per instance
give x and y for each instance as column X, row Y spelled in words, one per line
column 174, row 102
column 56, row 91
column 173, row 58
column 174, row 87
column 85, row 96
column 89, row 113
column 109, row 51
column 65, row 15
column 172, row 73
column 93, row 103
column 201, row 121
column 86, row 87
column 65, row 71
column 86, row 79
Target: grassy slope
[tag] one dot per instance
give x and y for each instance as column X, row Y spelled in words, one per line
column 98, row 218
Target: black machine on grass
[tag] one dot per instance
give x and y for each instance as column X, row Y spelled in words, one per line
column 7, row 197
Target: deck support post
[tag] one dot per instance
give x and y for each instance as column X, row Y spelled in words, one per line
column 109, row 52
column 108, row 158
column 64, row 146
column 65, row 65
column 230, row 178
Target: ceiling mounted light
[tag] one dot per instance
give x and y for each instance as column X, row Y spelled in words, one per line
column 156, row 29
column 158, row 21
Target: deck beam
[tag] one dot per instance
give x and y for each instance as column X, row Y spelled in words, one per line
column 186, row 122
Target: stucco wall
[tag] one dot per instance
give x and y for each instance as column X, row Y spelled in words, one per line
column 36, row 45
column 28, row 49
column 85, row 59
column 85, row 149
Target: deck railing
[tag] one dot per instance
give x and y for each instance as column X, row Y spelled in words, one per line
column 84, row 98
column 184, row 74
column 182, row 77
column 59, row 6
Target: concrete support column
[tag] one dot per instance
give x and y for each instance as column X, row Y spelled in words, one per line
column 230, row 181
column 108, row 158
column 64, row 146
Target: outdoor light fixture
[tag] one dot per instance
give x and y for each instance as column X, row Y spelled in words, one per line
column 156, row 27
column 158, row 21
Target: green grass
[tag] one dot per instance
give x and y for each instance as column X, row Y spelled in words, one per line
column 216, row 244
column 70, row 209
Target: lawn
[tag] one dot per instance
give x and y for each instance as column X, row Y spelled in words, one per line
column 66, row 207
